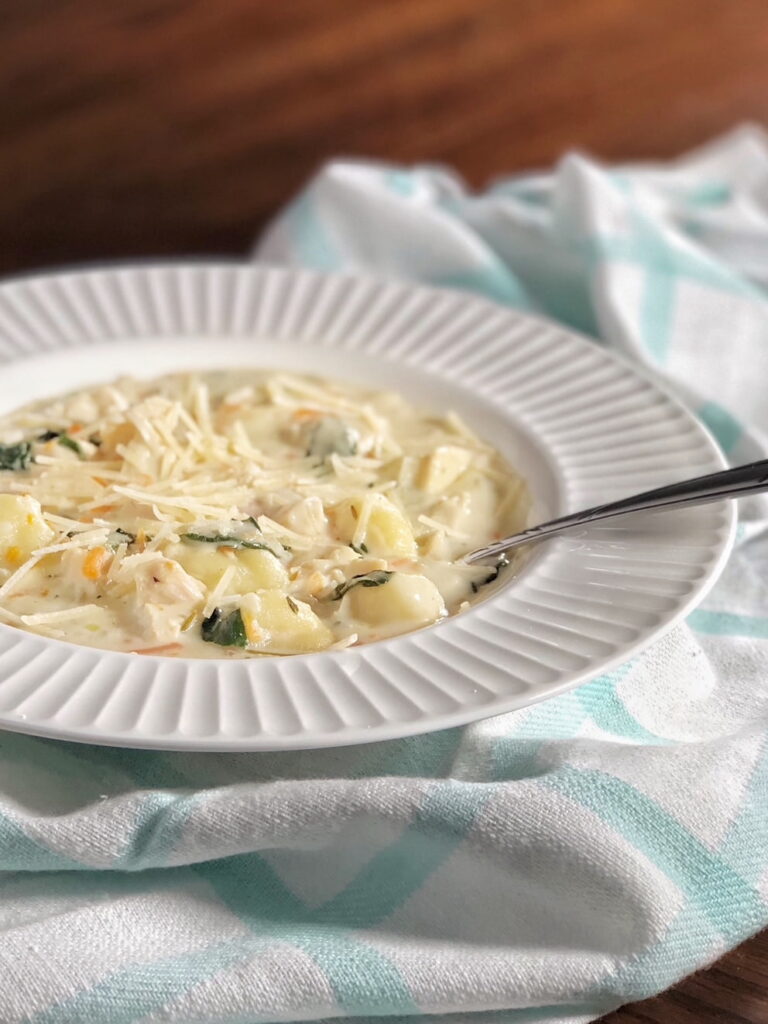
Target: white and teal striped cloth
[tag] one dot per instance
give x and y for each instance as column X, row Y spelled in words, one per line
column 544, row 866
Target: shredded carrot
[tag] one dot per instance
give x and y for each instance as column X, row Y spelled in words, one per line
column 76, row 428
column 162, row 649
column 102, row 510
column 306, row 414
column 93, row 564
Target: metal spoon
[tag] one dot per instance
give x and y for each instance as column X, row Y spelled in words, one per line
column 730, row 483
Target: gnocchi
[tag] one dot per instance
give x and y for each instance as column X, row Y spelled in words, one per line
column 242, row 514
column 373, row 523
column 22, row 528
column 405, row 599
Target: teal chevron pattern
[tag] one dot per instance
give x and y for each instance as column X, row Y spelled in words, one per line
column 538, row 868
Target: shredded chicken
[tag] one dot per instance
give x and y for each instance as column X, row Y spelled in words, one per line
column 264, row 513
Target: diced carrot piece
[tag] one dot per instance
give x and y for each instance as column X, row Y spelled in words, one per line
column 93, row 565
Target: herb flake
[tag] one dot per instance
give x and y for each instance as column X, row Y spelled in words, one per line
column 224, row 630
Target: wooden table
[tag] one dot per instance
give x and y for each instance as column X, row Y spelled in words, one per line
column 156, row 127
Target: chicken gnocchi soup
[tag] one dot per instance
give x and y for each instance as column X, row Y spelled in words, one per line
column 236, row 514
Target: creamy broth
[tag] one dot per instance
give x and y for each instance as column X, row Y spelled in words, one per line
column 243, row 513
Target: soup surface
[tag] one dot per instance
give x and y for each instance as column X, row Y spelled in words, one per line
column 242, row 513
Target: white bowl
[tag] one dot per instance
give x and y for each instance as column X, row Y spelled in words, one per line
column 581, row 426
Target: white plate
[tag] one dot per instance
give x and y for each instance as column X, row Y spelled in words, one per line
column 580, row 425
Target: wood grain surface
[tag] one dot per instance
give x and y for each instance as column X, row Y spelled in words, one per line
column 158, row 127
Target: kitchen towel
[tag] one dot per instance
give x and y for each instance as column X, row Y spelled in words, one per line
column 542, row 866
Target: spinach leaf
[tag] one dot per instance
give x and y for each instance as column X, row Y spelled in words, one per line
column 224, row 540
column 502, row 563
column 377, row 578
column 224, row 630
column 69, row 442
column 63, row 438
column 15, row 457
column 362, row 550
column 120, row 536
column 332, row 435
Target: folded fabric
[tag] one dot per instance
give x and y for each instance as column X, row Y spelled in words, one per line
column 542, row 866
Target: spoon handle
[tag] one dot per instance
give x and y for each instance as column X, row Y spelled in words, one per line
column 729, row 483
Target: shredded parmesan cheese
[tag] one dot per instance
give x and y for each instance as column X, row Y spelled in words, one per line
column 45, row 618
column 219, row 590
column 166, row 514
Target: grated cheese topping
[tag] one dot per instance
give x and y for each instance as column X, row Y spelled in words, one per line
column 242, row 513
